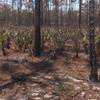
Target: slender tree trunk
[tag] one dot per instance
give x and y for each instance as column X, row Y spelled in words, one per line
column 19, row 12
column 37, row 28
column 50, row 18
column 87, row 16
column 80, row 14
column 19, row 17
column 61, row 15
column 69, row 14
column 66, row 13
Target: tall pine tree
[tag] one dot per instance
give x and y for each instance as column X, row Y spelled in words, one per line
column 37, row 28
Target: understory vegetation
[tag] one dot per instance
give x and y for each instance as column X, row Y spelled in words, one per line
column 22, row 39
column 49, row 49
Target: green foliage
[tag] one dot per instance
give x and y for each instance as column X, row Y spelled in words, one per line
column 54, row 38
column 3, row 37
column 97, row 38
column 98, row 43
column 23, row 40
column 20, row 39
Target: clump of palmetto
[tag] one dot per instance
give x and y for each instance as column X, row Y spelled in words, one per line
column 22, row 39
column 53, row 39
column 16, row 39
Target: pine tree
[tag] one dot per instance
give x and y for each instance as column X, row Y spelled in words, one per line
column 37, row 28
column 93, row 75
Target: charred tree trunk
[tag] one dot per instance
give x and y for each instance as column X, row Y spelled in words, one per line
column 93, row 75
column 80, row 14
column 19, row 18
column 61, row 15
column 37, row 28
column 19, row 12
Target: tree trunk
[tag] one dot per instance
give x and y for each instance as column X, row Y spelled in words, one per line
column 37, row 28
column 93, row 75
column 80, row 14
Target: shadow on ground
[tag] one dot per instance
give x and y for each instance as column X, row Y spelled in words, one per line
column 12, row 71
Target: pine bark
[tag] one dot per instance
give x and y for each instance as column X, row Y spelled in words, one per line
column 93, row 75
column 37, row 28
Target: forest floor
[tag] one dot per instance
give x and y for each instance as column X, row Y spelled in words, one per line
column 63, row 78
